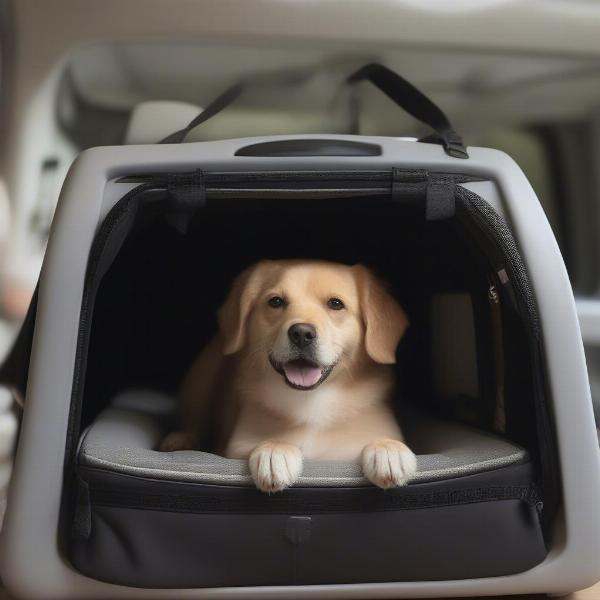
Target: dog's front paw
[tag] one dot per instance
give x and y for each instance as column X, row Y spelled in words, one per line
column 275, row 466
column 388, row 463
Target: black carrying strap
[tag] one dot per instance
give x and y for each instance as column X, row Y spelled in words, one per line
column 415, row 103
column 403, row 93
column 216, row 106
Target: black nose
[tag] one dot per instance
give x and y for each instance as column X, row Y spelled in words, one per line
column 302, row 334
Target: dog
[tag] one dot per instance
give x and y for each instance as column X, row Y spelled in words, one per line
column 301, row 369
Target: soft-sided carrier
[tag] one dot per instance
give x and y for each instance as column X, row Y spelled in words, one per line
column 492, row 386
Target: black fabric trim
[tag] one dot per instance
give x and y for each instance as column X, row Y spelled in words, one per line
column 243, row 180
column 409, row 187
column 107, row 488
column 187, row 193
column 437, row 191
column 439, row 201
column 279, row 503
column 505, row 253
column 101, row 255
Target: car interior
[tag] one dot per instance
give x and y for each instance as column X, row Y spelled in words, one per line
column 520, row 76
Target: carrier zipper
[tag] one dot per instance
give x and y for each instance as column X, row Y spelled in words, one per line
column 534, row 499
column 499, row 423
column 241, row 180
column 248, row 500
column 83, row 341
column 495, row 231
column 301, row 184
column 519, row 287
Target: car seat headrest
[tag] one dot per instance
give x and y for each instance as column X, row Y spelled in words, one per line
column 152, row 121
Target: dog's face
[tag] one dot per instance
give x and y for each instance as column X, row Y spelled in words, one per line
column 309, row 320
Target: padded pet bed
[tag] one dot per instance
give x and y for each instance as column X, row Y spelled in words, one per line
column 124, row 438
column 147, row 518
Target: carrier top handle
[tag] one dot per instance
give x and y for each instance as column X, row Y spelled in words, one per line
column 415, row 103
column 403, row 93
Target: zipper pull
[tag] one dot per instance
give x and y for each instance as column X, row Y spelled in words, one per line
column 534, row 499
column 506, row 286
column 499, row 423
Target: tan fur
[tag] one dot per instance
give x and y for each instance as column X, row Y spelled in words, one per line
column 233, row 386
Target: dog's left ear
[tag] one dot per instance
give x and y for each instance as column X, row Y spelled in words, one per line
column 385, row 320
column 233, row 314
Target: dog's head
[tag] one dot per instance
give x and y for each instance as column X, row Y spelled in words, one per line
column 305, row 319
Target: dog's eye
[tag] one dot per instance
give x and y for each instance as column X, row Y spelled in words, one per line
column 335, row 304
column 276, row 302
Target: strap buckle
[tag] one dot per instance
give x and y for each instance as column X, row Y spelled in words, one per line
column 455, row 149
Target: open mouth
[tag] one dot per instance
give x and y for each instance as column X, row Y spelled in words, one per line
column 301, row 373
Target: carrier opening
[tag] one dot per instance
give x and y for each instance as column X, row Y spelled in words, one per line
column 464, row 356
column 469, row 397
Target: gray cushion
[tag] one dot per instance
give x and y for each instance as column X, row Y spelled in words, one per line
column 124, row 438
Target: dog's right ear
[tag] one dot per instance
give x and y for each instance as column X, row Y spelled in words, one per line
column 385, row 320
column 232, row 316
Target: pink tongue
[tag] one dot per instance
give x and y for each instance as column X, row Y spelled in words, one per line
column 302, row 374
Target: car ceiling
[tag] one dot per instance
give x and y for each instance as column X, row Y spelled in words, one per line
column 486, row 62
column 299, row 79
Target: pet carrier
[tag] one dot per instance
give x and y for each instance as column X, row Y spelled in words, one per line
column 493, row 383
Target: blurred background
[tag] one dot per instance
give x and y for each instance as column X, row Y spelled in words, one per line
column 519, row 75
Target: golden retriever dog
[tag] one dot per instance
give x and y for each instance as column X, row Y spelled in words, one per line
column 301, row 369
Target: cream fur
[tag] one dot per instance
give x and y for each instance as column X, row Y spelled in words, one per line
column 233, row 386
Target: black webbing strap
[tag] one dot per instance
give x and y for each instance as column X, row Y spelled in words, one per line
column 415, row 103
column 403, row 93
column 440, row 202
column 410, row 187
column 215, row 107
column 186, row 194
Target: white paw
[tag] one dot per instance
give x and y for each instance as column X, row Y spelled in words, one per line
column 275, row 466
column 388, row 463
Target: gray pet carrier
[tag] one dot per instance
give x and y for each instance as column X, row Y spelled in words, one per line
column 492, row 380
